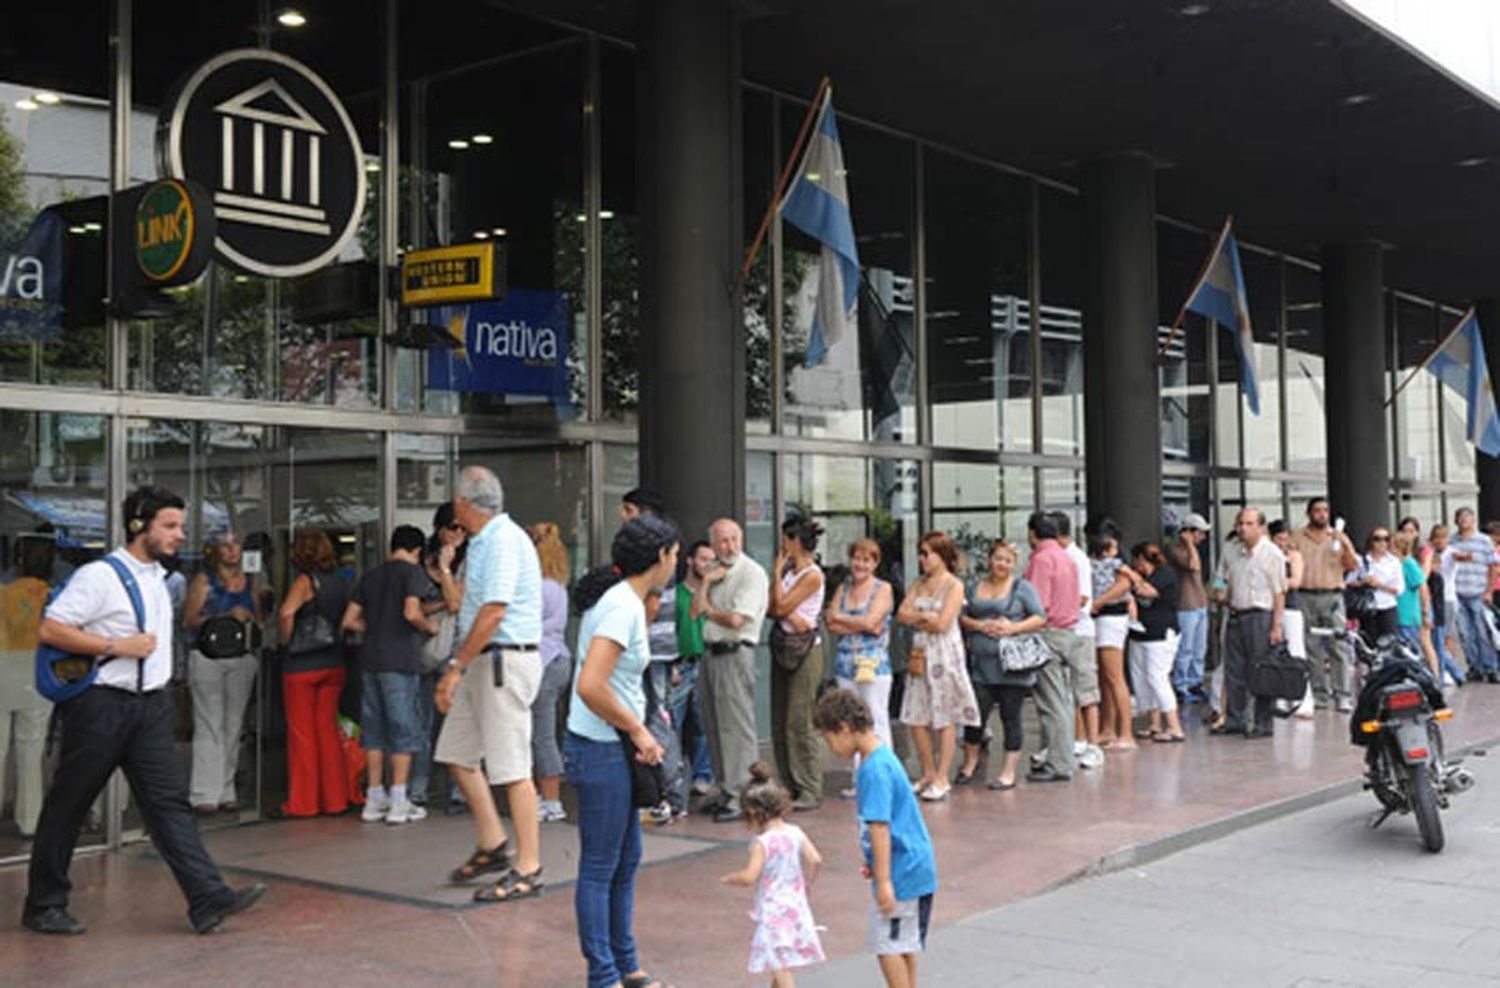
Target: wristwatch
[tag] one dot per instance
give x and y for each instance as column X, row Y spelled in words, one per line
column 109, row 647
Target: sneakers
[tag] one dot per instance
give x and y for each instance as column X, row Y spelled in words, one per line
column 702, row 787
column 1092, row 757
column 1345, row 705
column 405, row 812
column 551, row 811
column 377, row 805
column 1039, row 758
column 1079, row 747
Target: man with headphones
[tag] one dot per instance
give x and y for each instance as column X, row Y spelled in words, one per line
column 124, row 720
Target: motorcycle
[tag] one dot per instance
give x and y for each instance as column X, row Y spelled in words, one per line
column 1397, row 721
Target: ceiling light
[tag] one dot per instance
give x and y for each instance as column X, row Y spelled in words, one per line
column 1194, row 10
column 482, row 139
column 47, row 98
column 93, row 227
column 291, row 18
column 26, row 104
column 1472, row 162
column 498, row 231
column 606, row 214
column 582, row 217
column 458, row 144
column 76, row 229
column 1358, row 99
column 372, row 165
column 480, row 235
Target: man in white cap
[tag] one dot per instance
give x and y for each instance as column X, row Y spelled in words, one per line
column 1192, row 609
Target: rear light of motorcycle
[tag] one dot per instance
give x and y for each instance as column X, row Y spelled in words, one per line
column 1370, row 726
column 1403, row 700
column 1444, row 715
column 1415, row 753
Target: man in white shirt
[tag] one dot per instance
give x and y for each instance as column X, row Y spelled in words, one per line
column 1083, row 663
column 1251, row 582
column 124, row 720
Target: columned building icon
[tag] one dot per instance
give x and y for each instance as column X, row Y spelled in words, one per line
column 281, row 188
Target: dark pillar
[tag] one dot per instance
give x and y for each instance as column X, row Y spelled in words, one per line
column 692, row 354
column 1122, row 403
column 1355, row 329
column 1488, row 467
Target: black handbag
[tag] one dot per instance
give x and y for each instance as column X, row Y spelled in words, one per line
column 1360, row 601
column 648, row 783
column 224, row 636
column 790, row 648
column 1278, row 675
column 311, row 630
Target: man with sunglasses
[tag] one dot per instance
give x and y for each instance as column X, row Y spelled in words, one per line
column 1252, row 578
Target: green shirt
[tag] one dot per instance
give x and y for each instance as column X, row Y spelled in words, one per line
column 689, row 628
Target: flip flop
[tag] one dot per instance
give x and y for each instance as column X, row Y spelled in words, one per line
column 1162, row 737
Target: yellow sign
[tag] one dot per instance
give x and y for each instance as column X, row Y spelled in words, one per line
column 440, row 275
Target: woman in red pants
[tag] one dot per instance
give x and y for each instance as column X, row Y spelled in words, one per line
column 312, row 678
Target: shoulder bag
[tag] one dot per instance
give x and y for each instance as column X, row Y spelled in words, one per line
column 225, row 636
column 311, row 629
column 790, row 648
column 1360, row 601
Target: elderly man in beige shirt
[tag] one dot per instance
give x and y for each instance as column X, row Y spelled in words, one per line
column 1251, row 582
column 733, row 596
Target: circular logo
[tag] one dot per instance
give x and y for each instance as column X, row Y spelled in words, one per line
column 277, row 151
column 164, row 228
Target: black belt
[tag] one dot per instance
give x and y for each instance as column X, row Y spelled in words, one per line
column 1337, row 590
column 1249, row 610
column 724, row 648
column 126, row 692
column 493, row 647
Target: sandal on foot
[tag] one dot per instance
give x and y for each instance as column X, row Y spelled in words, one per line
column 965, row 777
column 512, row 886
column 482, row 862
column 1000, row 786
column 1164, row 737
column 641, row 981
column 1144, row 733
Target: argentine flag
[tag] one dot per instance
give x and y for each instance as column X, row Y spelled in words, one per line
column 1459, row 362
column 817, row 203
column 1220, row 296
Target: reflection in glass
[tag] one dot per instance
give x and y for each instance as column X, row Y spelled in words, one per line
column 1306, row 397
column 1061, row 236
column 1263, row 431
column 1416, row 441
column 1185, row 390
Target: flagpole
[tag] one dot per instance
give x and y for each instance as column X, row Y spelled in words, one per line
column 786, row 176
column 1182, row 312
column 1435, row 351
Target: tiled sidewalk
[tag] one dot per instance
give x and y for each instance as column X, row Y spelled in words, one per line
column 349, row 905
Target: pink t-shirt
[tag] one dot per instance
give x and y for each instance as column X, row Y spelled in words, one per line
column 1055, row 577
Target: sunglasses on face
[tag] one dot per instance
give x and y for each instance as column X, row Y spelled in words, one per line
column 1380, row 538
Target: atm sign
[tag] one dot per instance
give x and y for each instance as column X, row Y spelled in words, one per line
column 164, row 228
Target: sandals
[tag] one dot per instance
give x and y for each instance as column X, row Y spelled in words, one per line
column 482, row 862
column 1165, row 737
column 999, row 786
column 965, row 777
column 933, row 794
column 512, row 886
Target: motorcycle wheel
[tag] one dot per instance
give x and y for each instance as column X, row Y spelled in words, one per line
column 1424, row 806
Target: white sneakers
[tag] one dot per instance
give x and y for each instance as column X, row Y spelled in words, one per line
column 379, row 806
column 1092, row 756
column 551, row 811
column 405, row 812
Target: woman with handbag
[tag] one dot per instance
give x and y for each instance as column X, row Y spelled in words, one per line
column 605, row 719
column 221, row 685
column 312, row 678
column 796, row 603
column 557, row 670
column 939, row 697
column 1380, row 574
column 861, row 616
column 1153, row 647
column 1000, row 622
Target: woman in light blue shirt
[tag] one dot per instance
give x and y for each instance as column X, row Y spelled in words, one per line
column 608, row 701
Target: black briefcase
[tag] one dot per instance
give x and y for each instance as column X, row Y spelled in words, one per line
column 1278, row 675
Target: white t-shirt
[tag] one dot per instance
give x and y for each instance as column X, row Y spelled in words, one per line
column 1447, row 565
column 1386, row 570
column 620, row 617
column 1085, row 625
column 95, row 601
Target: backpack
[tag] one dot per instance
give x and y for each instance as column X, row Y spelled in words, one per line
column 60, row 675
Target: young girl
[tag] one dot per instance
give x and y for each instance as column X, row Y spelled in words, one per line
column 781, row 853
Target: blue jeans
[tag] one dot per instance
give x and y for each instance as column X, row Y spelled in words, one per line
column 682, row 703
column 388, row 719
column 1474, row 635
column 1440, row 646
column 609, row 838
column 421, row 759
column 1192, row 647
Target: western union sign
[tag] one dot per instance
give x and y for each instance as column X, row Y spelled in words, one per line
column 442, row 275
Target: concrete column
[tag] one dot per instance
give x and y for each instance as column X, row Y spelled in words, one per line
column 1122, row 393
column 1487, row 468
column 1355, row 330
column 692, row 354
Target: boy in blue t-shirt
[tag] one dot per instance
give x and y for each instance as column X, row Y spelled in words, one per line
column 897, row 849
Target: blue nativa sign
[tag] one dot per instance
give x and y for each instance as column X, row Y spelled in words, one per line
column 515, row 346
column 31, row 279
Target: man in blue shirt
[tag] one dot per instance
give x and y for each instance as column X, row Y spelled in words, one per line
column 893, row 837
column 489, row 686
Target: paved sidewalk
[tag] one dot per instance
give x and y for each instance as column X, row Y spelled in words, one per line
column 348, row 905
column 1316, row 898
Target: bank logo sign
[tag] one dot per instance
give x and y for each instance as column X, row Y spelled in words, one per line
column 164, row 229
column 276, row 148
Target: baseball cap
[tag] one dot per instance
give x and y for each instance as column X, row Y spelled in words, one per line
column 1196, row 522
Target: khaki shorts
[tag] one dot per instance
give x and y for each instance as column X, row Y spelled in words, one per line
column 493, row 725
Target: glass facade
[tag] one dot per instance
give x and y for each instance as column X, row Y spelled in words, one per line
column 280, row 404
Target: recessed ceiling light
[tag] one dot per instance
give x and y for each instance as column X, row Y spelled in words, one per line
column 481, row 235
column 26, row 104
column 498, row 231
column 1358, row 99
column 606, row 214
column 582, row 217
column 372, row 165
column 1194, row 10
column 291, row 18
column 76, row 229
column 47, row 98
column 482, row 139
column 458, row 144
column 93, row 227
column 1471, row 162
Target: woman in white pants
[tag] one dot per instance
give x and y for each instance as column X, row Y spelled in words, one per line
column 221, row 687
column 860, row 614
column 1293, row 624
column 1153, row 648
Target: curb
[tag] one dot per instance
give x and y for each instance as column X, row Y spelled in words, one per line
column 1146, row 852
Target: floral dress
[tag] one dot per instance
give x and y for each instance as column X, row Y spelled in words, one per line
column 785, row 936
column 942, row 696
